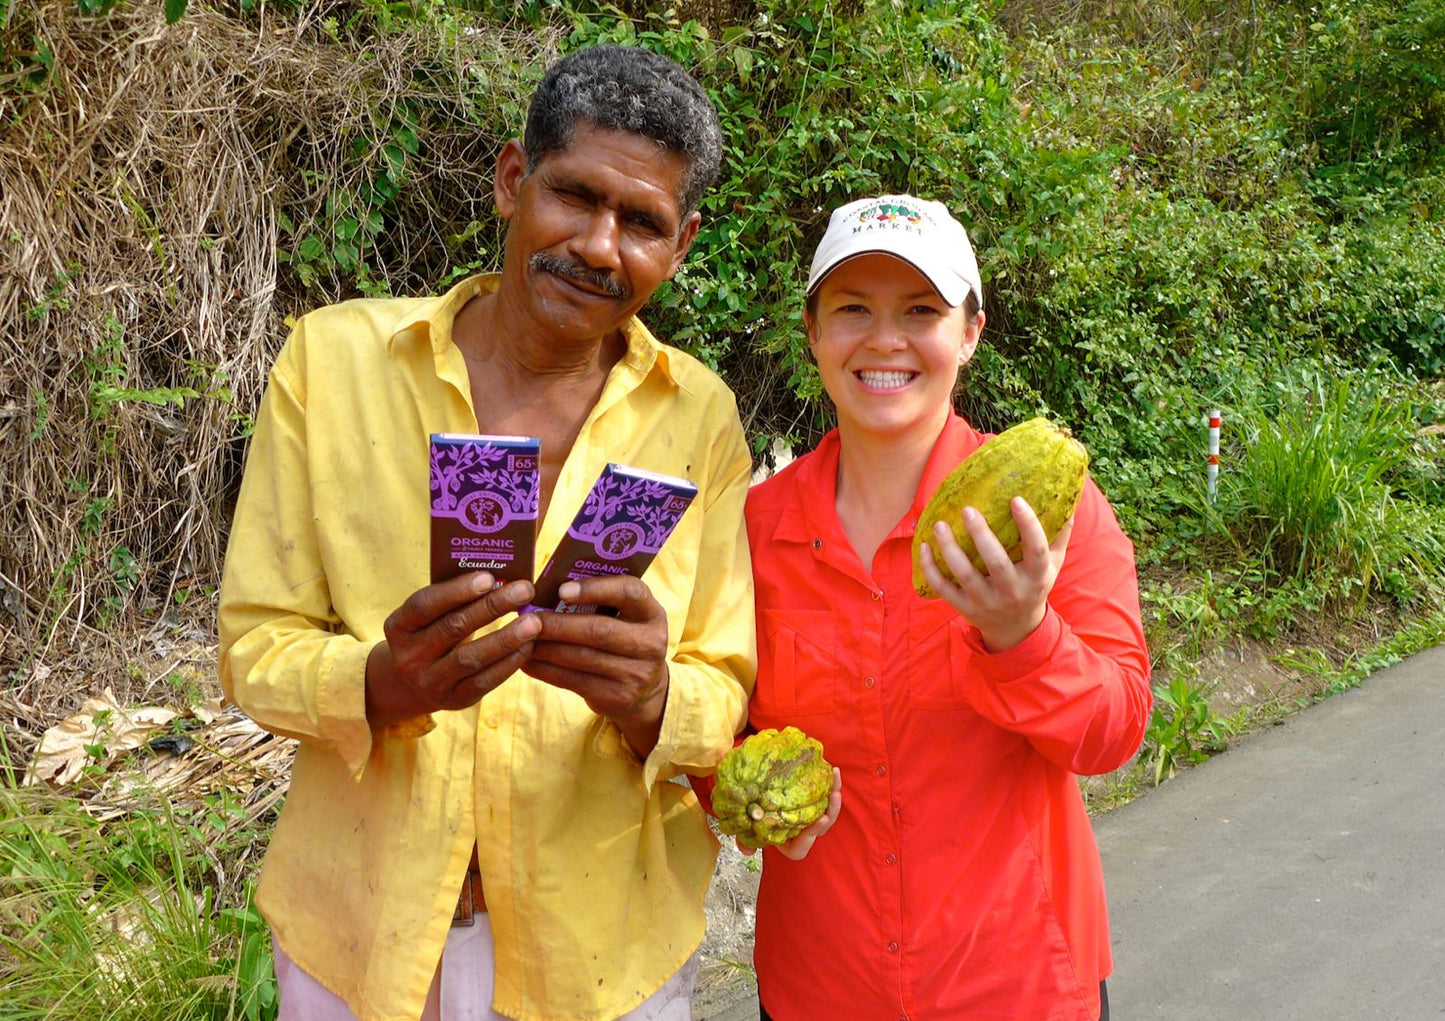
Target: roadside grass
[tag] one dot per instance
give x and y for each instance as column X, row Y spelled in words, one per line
column 1330, row 679
column 1329, row 512
column 1326, row 484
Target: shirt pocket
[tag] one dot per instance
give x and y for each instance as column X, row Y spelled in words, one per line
column 937, row 657
column 797, row 662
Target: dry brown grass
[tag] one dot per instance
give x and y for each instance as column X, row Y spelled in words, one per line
column 144, row 184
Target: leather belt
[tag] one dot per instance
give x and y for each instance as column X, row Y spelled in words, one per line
column 471, row 901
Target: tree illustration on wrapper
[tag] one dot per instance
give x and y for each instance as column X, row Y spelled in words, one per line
column 451, row 464
column 641, row 501
column 606, row 500
column 448, row 462
column 660, row 518
column 520, row 488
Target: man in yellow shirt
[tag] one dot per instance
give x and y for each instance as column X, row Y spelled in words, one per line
column 446, row 743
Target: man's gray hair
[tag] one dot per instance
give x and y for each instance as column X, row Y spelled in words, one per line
column 627, row 88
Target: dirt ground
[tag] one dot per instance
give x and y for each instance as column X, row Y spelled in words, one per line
column 725, row 974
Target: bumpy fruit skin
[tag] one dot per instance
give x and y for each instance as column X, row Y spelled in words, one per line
column 1036, row 460
column 772, row 787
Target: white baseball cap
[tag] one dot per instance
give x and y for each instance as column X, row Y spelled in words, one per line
column 921, row 233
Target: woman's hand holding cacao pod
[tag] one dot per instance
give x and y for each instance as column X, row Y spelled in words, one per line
column 776, row 787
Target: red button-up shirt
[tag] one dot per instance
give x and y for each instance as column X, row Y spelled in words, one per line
column 962, row 879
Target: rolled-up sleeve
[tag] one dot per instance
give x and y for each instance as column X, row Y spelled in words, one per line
column 1078, row 687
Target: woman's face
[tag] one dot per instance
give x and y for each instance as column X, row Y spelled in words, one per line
column 888, row 347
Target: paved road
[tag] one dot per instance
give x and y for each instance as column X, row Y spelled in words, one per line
column 1298, row 877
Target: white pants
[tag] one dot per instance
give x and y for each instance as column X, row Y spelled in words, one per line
column 462, row 989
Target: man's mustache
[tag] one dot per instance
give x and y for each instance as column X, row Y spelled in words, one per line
column 546, row 262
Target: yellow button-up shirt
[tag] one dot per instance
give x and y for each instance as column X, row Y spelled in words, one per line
column 595, row 869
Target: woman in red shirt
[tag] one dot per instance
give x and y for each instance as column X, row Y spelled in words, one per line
column 960, row 879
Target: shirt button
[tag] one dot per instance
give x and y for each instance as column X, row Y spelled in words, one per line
column 491, row 722
column 891, row 859
column 893, row 947
column 868, row 682
column 817, row 543
column 877, row 596
column 881, row 770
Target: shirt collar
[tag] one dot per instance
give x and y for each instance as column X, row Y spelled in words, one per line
column 814, row 494
column 812, row 515
column 431, row 320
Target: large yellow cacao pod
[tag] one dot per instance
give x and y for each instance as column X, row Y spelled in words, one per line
column 772, row 786
column 1036, row 460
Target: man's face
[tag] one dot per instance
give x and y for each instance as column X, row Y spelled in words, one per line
column 594, row 229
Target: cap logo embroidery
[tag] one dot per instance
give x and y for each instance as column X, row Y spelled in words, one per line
column 890, row 216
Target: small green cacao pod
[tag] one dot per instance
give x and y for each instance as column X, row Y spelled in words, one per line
column 1036, row 460
column 772, row 786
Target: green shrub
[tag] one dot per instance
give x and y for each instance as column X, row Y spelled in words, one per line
column 1322, row 484
column 1370, row 75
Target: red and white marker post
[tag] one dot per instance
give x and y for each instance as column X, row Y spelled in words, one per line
column 1213, row 476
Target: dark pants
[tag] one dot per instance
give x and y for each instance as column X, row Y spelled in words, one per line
column 763, row 1014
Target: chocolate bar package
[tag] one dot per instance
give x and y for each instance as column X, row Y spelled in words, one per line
column 621, row 526
column 484, row 505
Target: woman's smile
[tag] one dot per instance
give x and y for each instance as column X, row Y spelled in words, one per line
column 881, row 379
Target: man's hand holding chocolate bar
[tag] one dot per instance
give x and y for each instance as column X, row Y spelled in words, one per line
column 618, row 664
column 429, row 660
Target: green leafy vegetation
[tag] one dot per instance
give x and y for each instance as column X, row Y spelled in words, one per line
column 1325, row 490
column 1185, row 729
